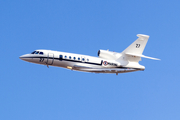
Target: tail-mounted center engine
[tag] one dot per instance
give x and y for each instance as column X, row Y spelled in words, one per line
column 108, row 54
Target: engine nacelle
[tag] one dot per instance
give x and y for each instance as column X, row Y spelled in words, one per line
column 108, row 54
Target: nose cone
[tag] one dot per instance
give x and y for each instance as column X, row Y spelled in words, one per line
column 21, row 57
column 25, row 57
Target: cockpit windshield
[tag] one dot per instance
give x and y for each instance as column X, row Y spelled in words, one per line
column 33, row 52
column 37, row 52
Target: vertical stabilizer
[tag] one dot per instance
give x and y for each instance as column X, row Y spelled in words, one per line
column 137, row 47
column 132, row 54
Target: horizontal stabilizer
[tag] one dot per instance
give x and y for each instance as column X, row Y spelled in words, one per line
column 132, row 54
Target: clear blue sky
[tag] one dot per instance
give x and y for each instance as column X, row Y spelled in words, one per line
column 34, row 92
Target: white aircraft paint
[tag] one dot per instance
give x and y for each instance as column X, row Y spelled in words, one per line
column 107, row 62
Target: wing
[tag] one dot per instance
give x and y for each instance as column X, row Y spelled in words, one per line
column 103, row 70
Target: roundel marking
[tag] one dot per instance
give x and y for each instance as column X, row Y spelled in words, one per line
column 105, row 63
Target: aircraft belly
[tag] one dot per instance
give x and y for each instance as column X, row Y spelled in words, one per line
column 108, row 71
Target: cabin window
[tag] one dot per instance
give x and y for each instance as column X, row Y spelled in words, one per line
column 87, row 59
column 74, row 58
column 60, row 57
column 78, row 58
column 41, row 53
column 69, row 57
column 82, row 59
column 65, row 56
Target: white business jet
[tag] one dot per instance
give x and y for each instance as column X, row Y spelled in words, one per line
column 107, row 62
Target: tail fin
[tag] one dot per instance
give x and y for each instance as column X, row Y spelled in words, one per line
column 137, row 47
column 134, row 52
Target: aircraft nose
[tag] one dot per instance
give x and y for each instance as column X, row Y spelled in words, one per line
column 21, row 57
column 24, row 57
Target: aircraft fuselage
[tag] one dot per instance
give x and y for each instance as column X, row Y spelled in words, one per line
column 77, row 62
